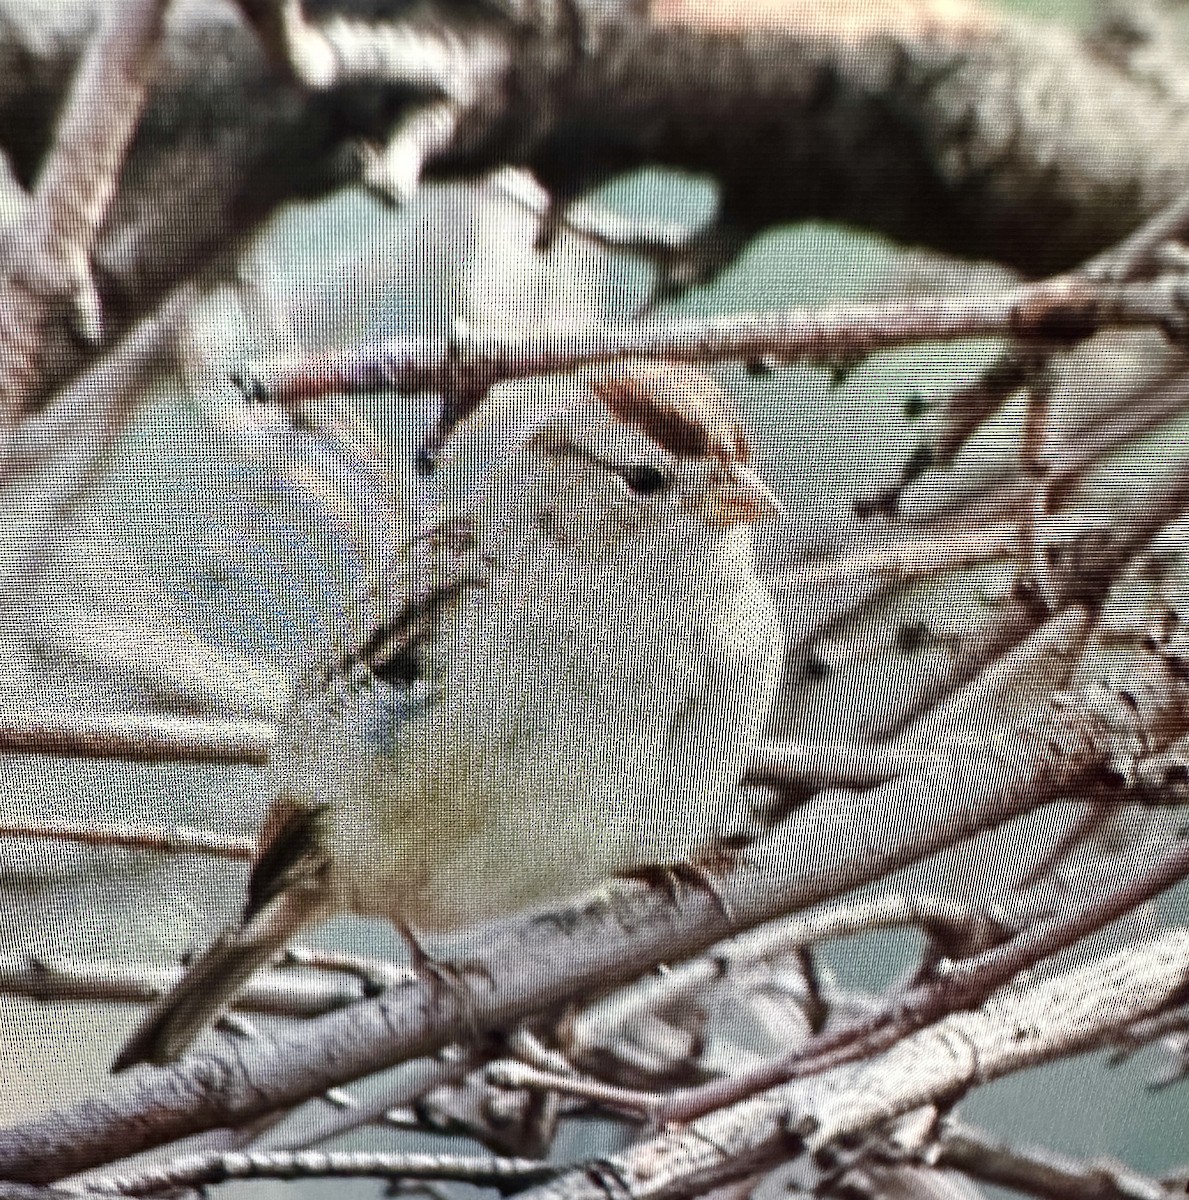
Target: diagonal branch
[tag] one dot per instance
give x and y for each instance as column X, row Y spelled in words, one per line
column 135, row 737
column 1068, row 1014
column 539, row 960
column 47, row 293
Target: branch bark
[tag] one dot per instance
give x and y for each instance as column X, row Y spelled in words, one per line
column 537, row 961
column 1017, row 1028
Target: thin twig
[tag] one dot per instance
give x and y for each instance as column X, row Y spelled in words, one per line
column 1150, row 1029
column 1039, row 1173
column 176, row 839
column 57, row 979
column 203, row 1170
column 136, row 737
column 507, row 1073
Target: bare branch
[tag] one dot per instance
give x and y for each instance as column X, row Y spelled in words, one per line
column 276, row 992
column 1017, row 1028
column 1039, row 1173
column 1150, row 1029
column 203, row 1170
column 48, row 280
column 1079, row 570
column 917, row 557
column 845, row 764
column 164, row 840
column 1035, row 667
column 136, row 737
column 1124, row 410
column 512, row 1074
column 1065, row 306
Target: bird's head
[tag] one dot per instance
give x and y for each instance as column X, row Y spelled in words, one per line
column 640, row 453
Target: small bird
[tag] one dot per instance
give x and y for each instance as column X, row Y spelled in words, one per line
column 567, row 686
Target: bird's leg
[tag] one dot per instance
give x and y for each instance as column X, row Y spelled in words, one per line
column 424, row 964
column 445, row 978
column 699, row 872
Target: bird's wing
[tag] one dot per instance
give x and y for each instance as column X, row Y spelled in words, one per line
column 437, row 571
column 290, row 856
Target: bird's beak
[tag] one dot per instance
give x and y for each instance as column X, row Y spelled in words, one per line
column 741, row 498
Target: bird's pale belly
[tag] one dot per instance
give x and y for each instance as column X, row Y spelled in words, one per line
column 544, row 771
column 506, row 825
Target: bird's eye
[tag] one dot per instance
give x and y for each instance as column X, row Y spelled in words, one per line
column 645, row 480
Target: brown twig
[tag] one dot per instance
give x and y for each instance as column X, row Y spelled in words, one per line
column 472, row 363
column 1079, row 570
column 1095, row 431
column 959, row 416
column 136, row 737
column 175, row 839
column 1150, row 1029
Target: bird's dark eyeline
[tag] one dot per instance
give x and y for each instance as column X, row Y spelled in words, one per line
column 395, row 651
column 682, row 410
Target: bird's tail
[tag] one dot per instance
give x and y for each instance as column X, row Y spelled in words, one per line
column 203, row 992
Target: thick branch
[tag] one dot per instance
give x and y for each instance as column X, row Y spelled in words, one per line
column 1069, row 1014
column 537, row 961
column 48, row 291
